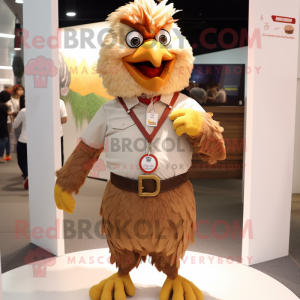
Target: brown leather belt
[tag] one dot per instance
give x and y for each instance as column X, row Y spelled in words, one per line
column 148, row 185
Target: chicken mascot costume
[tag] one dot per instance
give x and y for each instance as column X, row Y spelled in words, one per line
column 148, row 207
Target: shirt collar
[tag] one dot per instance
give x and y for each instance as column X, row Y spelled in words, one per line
column 133, row 101
column 166, row 98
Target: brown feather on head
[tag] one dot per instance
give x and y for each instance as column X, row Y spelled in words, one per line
column 145, row 24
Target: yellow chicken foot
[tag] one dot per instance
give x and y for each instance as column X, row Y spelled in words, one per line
column 182, row 288
column 114, row 286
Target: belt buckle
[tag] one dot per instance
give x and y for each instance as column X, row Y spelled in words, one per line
column 140, row 186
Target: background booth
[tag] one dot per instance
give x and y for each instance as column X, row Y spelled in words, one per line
column 231, row 118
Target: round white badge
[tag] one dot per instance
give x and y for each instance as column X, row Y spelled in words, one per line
column 148, row 163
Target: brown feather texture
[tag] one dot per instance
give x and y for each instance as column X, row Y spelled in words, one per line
column 161, row 226
column 209, row 143
column 73, row 174
column 149, row 18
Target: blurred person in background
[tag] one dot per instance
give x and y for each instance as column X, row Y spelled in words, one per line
column 22, row 102
column 199, row 95
column 8, row 88
column 4, row 133
column 187, row 90
column 14, row 104
column 22, row 141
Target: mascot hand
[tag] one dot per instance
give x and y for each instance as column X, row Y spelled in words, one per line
column 186, row 120
column 64, row 200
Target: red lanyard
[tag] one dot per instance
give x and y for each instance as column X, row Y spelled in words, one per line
column 149, row 137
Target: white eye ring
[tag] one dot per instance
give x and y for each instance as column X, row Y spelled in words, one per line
column 134, row 39
column 163, row 37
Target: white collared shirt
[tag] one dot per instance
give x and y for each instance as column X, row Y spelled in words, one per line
column 13, row 106
column 124, row 144
column 21, row 119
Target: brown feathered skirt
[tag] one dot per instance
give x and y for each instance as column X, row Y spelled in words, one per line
column 161, row 227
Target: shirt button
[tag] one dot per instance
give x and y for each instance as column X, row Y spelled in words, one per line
column 123, row 124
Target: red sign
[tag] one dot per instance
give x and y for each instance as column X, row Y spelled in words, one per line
column 283, row 19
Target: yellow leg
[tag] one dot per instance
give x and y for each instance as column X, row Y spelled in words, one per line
column 182, row 288
column 114, row 285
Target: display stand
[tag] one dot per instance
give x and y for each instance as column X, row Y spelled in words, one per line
column 270, row 127
column 73, row 274
column 43, row 121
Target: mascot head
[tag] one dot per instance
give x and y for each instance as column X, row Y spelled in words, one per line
column 144, row 51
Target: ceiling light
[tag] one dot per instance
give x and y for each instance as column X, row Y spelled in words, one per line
column 70, row 8
column 19, row 1
column 17, row 48
column 5, row 35
column 5, row 68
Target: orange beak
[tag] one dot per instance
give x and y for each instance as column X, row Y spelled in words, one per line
column 151, row 65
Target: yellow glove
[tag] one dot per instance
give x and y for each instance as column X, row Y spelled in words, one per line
column 64, row 200
column 187, row 121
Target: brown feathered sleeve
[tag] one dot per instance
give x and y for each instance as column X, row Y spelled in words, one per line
column 209, row 144
column 73, row 174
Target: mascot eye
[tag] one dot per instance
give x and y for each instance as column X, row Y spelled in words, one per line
column 134, row 39
column 163, row 37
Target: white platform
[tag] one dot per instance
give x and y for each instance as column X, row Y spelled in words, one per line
column 69, row 279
